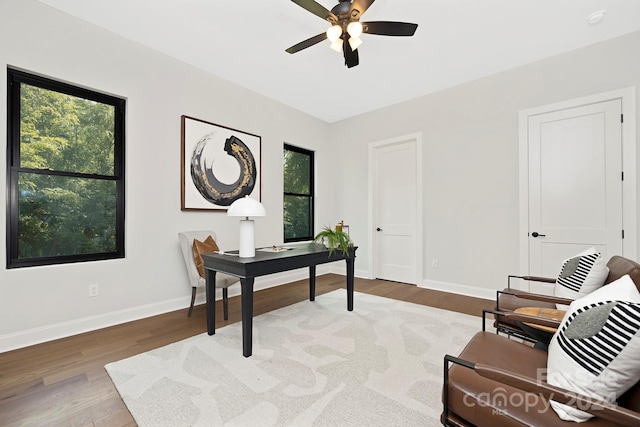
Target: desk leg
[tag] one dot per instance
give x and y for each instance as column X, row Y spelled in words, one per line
column 312, row 283
column 350, row 273
column 246, row 286
column 211, row 300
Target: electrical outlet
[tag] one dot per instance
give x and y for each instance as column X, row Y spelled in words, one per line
column 435, row 263
column 94, row 291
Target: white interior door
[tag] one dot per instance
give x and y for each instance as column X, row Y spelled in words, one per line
column 575, row 185
column 395, row 198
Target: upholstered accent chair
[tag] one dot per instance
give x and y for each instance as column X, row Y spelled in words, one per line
column 496, row 380
column 223, row 281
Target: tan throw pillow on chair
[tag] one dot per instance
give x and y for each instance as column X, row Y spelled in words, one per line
column 199, row 248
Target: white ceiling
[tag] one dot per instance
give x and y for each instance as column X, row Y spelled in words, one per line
column 244, row 41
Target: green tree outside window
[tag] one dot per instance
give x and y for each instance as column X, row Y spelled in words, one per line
column 298, row 194
column 66, row 156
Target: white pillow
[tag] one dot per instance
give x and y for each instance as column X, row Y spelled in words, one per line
column 584, row 358
column 580, row 275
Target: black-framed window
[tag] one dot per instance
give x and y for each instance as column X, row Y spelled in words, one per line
column 65, row 172
column 298, row 194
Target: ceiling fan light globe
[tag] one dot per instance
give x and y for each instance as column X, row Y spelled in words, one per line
column 355, row 42
column 354, row 29
column 334, row 32
column 337, row 45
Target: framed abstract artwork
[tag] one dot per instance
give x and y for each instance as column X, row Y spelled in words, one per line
column 219, row 165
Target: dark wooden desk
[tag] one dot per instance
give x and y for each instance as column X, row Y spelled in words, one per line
column 247, row 269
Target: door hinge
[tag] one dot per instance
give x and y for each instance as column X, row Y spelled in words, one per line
column 621, row 118
column 623, row 234
column 622, row 174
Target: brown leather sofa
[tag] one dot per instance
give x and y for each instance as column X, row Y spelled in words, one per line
column 498, row 381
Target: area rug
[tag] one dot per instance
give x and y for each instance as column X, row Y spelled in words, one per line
column 313, row 364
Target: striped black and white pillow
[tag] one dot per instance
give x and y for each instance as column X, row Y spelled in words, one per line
column 595, row 351
column 580, row 275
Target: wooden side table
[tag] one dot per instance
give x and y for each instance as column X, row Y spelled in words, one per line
column 547, row 313
column 541, row 333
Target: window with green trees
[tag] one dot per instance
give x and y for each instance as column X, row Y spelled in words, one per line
column 298, row 194
column 65, row 155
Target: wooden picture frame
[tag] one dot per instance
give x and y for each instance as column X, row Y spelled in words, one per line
column 218, row 165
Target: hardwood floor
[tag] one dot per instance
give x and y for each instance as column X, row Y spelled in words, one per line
column 63, row 382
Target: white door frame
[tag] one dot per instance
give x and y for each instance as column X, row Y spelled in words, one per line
column 629, row 167
column 417, row 137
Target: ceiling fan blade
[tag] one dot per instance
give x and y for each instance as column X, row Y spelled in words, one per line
column 359, row 7
column 317, row 9
column 389, row 28
column 307, row 43
column 351, row 58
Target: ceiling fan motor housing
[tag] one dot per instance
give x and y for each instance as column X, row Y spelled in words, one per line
column 344, row 13
column 342, row 9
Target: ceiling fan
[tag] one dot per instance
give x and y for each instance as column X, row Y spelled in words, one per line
column 346, row 27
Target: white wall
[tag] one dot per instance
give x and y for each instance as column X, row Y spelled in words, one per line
column 470, row 158
column 41, row 303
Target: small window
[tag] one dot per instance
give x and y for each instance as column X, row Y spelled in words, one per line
column 65, row 155
column 298, row 194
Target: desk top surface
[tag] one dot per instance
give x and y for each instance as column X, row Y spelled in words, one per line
column 267, row 260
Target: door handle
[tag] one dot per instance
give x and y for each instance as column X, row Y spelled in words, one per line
column 378, row 229
column 536, row 234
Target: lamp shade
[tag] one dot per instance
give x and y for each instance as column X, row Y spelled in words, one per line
column 337, row 45
column 246, row 206
column 354, row 29
column 334, row 32
column 355, row 42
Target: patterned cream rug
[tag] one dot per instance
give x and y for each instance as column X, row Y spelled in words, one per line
column 313, row 364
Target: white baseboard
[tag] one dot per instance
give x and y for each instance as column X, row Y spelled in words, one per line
column 454, row 288
column 56, row 331
column 42, row 334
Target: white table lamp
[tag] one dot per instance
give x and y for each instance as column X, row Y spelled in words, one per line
column 246, row 207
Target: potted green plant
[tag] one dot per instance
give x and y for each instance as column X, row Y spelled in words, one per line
column 334, row 239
